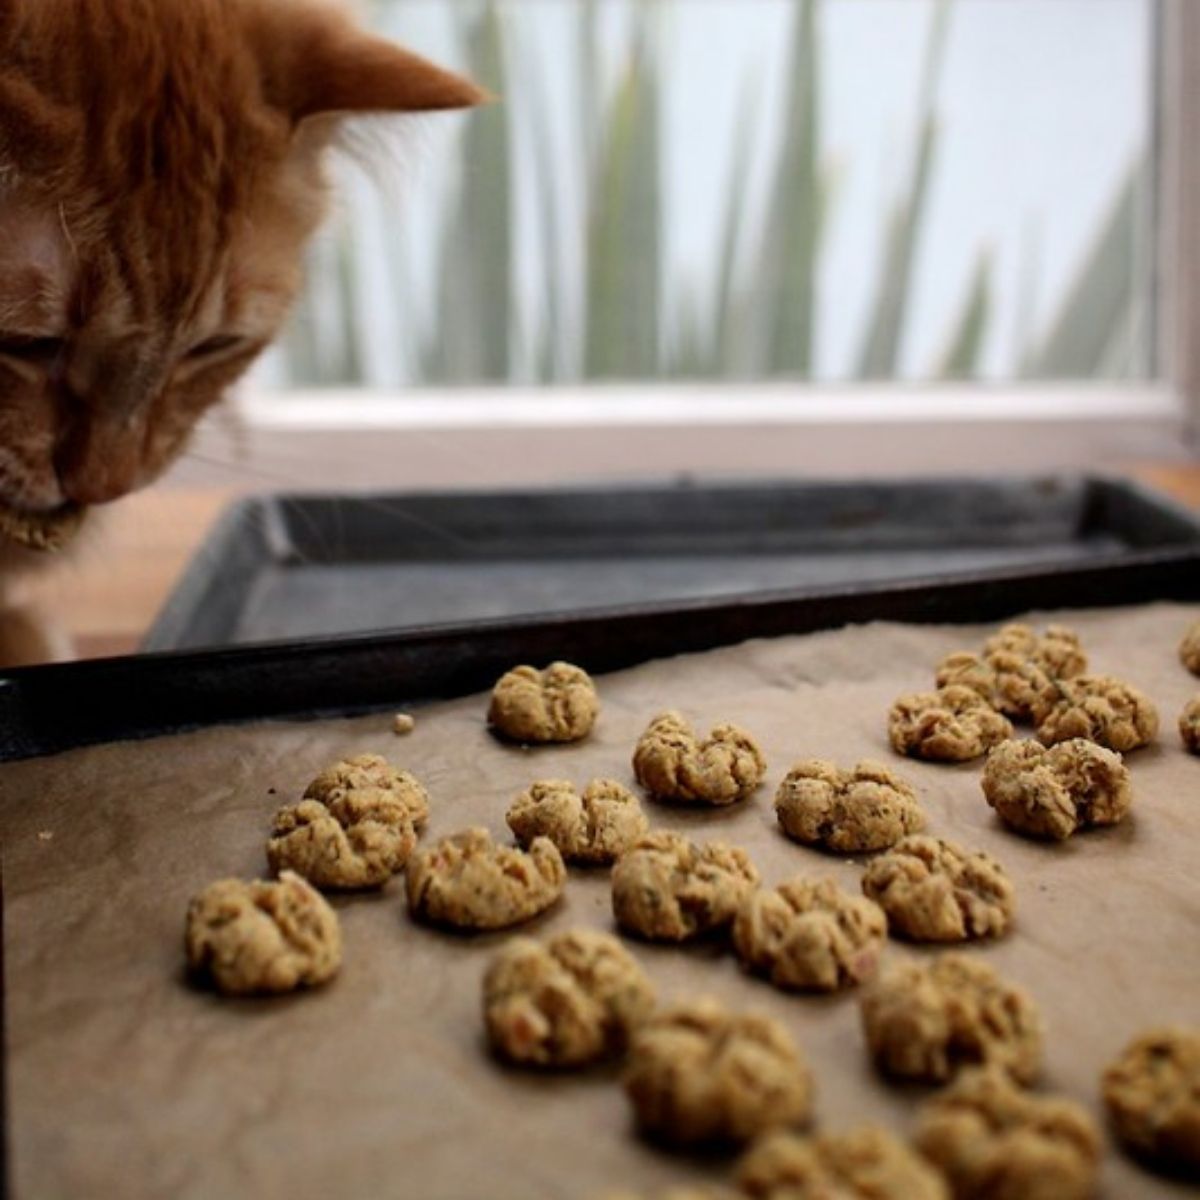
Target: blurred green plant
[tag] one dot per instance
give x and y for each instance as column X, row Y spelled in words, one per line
column 617, row 314
column 887, row 321
column 623, row 296
column 1092, row 333
column 472, row 332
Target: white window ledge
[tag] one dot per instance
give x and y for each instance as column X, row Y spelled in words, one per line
column 690, row 405
column 509, row 436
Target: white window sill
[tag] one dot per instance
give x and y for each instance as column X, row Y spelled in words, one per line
column 678, row 405
column 507, row 436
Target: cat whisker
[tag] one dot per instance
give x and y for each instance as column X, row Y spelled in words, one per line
column 391, row 508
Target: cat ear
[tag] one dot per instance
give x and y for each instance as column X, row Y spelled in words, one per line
column 315, row 61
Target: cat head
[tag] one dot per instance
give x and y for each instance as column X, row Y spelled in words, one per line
column 160, row 171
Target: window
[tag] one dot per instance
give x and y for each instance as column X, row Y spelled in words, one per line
column 868, row 225
column 718, row 189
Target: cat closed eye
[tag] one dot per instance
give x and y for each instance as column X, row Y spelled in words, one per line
column 216, row 345
column 38, row 351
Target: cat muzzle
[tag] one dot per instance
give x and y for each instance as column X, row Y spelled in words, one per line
column 47, row 531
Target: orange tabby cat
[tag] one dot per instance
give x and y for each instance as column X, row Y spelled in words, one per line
column 160, row 171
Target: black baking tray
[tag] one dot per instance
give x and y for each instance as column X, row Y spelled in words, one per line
column 980, row 552
column 48, row 709
column 289, row 567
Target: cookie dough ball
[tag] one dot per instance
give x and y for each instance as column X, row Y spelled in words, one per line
column 935, row 891
column 1152, row 1093
column 698, row 1073
column 868, row 808
column 965, row 669
column 1057, row 651
column 596, row 827
column 672, row 765
column 567, row 1002
column 927, row 1020
column 467, row 881
column 1021, row 639
column 1189, row 725
column 1013, row 685
column 862, row 1164
column 1018, row 671
column 668, row 889
column 1103, row 710
column 558, row 704
column 355, row 782
column 1189, row 649
column 953, row 724
column 1023, row 690
column 1050, row 793
column 809, row 935
column 360, row 840
column 262, row 936
column 994, row 1140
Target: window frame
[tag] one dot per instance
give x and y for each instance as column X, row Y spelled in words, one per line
column 1178, row 213
column 504, row 434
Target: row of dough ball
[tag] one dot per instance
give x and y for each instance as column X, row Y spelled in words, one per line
column 1019, row 676
column 358, row 823
column 1040, row 791
column 957, row 724
column 355, row 826
column 870, row 807
column 559, row 703
column 1045, row 792
column 982, row 1138
column 667, row 888
column 803, row 934
column 1080, row 780
column 1051, row 792
column 695, row 1072
column 582, row 997
column 265, row 936
column 987, row 1139
column 808, row 932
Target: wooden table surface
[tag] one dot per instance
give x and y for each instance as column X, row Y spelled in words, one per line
column 106, row 593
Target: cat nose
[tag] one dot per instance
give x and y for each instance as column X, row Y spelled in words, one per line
column 98, row 483
column 99, row 464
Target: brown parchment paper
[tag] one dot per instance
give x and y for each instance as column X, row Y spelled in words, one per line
column 125, row 1081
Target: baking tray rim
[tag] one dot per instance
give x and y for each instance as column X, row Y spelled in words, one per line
column 176, row 690
column 198, row 572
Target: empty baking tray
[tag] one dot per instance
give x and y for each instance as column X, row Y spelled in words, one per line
column 288, row 567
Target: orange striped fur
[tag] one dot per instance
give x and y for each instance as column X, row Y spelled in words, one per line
column 160, row 171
